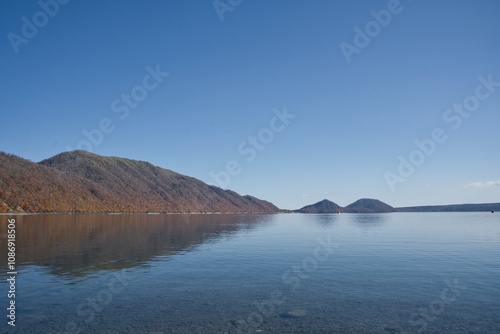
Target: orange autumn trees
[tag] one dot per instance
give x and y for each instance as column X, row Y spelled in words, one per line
column 80, row 181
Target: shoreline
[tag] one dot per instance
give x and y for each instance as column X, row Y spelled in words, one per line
column 222, row 213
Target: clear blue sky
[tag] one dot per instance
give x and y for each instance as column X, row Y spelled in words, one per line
column 353, row 120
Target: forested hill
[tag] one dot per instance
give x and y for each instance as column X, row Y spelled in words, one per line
column 368, row 205
column 79, row 181
column 324, row 206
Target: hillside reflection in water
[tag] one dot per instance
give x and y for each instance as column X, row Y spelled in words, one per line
column 79, row 245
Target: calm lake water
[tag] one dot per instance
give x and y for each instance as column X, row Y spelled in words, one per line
column 282, row 273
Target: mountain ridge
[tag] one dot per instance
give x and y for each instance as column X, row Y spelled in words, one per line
column 470, row 207
column 324, row 206
column 368, row 205
column 80, row 181
column 363, row 205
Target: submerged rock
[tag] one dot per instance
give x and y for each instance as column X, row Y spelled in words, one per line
column 297, row 313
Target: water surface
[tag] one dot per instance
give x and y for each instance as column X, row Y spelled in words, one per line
column 347, row 273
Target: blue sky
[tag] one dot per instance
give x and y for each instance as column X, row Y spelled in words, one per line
column 350, row 122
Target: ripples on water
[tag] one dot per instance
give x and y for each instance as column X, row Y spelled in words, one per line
column 379, row 273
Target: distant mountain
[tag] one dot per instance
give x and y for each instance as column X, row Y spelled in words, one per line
column 325, row 206
column 364, row 205
column 453, row 208
column 80, row 181
column 367, row 205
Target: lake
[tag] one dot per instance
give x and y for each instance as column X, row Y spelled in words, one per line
column 269, row 273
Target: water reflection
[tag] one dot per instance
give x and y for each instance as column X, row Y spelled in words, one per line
column 369, row 221
column 208, row 273
column 79, row 245
column 325, row 220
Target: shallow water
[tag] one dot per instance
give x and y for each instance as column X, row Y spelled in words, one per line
column 347, row 273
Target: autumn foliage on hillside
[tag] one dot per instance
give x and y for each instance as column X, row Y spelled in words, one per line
column 80, row 181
